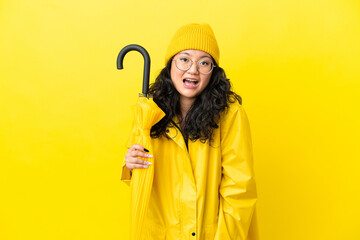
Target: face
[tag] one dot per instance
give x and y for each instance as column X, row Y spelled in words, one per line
column 190, row 83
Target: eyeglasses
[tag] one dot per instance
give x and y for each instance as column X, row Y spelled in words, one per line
column 204, row 66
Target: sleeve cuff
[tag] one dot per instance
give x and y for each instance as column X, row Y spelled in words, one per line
column 125, row 174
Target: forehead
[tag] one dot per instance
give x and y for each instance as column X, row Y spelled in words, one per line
column 194, row 53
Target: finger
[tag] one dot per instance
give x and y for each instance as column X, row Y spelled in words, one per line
column 133, row 166
column 141, row 154
column 139, row 148
column 138, row 161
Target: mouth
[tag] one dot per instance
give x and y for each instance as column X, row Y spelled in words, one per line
column 190, row 82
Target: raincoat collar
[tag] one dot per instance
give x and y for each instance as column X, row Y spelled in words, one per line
column 173, row 131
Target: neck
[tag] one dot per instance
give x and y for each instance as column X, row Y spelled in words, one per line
column 185, row 105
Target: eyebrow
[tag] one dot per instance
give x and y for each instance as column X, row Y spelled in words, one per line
column 189, row 55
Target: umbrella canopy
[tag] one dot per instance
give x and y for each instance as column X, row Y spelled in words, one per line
column 146, row 114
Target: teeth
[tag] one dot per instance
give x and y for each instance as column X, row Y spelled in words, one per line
column 190, row 80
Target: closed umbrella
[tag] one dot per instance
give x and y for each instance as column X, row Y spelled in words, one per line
column 146, row 114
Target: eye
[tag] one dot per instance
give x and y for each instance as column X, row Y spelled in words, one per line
column 204, row 63
column 184, row 59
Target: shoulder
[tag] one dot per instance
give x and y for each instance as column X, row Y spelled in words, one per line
column 234, row 117
column 234, row 108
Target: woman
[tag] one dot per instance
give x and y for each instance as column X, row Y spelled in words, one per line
column 203, row 177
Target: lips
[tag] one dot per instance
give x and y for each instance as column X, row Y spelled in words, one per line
column 190, row 83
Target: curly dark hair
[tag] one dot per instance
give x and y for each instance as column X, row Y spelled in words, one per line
column 202, row 118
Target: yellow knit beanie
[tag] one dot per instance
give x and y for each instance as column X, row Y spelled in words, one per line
column 194, row 36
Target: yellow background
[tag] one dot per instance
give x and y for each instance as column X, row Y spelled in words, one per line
column 65, row 110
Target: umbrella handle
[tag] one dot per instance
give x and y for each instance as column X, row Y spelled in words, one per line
column 146, row 56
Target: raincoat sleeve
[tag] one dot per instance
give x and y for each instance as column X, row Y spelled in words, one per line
column 237, row 188
column 125, row 174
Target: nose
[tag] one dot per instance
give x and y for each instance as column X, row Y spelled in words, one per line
column 193, row 69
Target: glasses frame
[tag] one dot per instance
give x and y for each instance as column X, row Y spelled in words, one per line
column 213, row 65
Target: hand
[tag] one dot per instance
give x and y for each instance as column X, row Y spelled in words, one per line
column 133, row 155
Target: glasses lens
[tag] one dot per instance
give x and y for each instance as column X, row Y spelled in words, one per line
column 205, row 66
column 183, row 63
